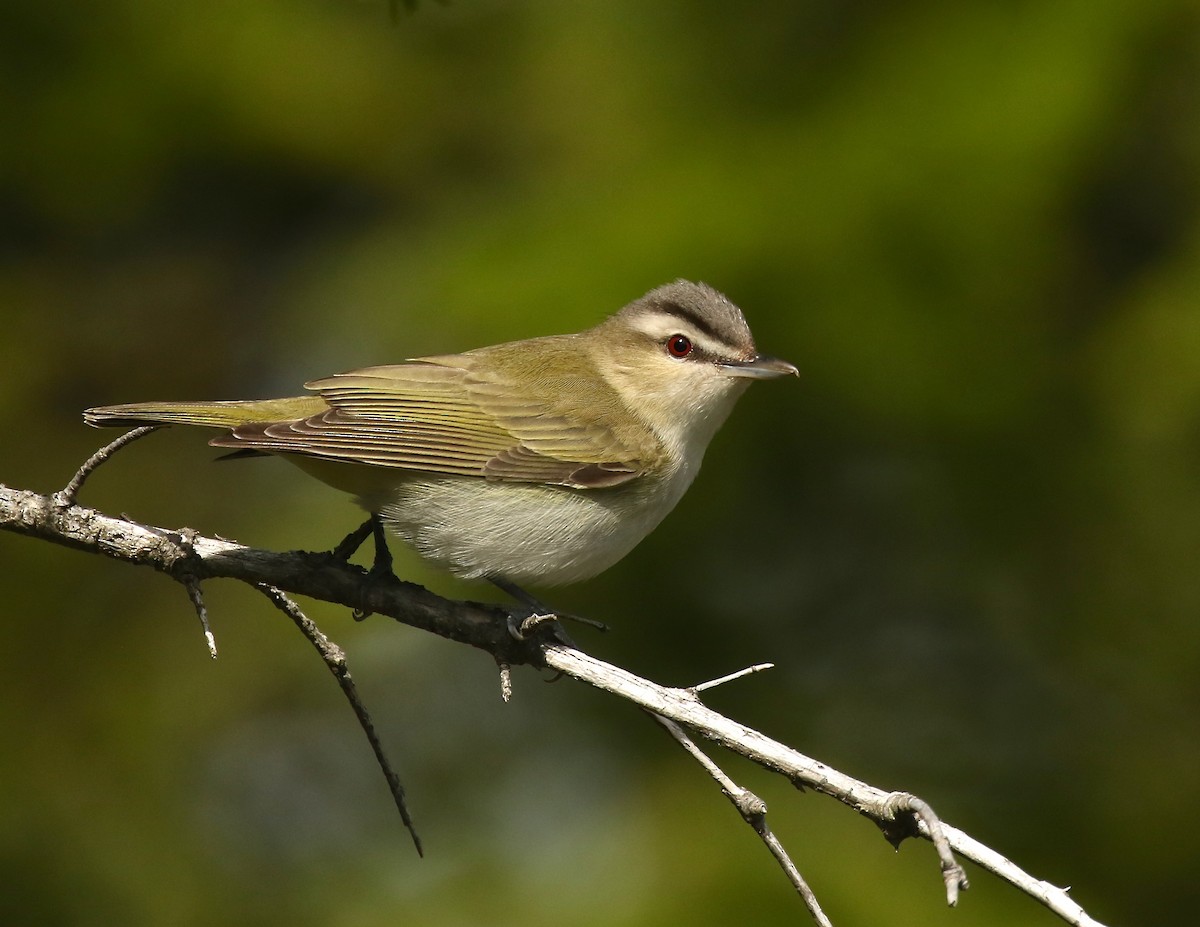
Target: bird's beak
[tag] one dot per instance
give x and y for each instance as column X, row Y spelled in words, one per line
column 761, row 368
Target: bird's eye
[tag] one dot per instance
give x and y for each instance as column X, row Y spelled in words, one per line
column 679, row 346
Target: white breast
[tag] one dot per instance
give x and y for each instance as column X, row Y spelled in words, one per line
column 526, row 533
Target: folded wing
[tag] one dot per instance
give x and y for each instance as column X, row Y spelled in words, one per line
column 463, row 415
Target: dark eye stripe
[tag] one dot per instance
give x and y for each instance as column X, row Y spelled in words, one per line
column 697, row 322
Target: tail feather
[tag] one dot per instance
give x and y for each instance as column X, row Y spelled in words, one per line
column 209, row 414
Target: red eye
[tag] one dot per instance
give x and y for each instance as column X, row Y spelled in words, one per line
column 679, row 346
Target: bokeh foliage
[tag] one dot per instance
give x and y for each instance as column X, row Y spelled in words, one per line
column 967, row 537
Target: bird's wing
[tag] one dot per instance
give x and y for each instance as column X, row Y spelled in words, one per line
column 449, row 415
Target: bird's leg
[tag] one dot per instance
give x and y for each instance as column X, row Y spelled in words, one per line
column 517, row 593
column 373, row 526
column 539, row 611
column 353, row 541
column 382, row 566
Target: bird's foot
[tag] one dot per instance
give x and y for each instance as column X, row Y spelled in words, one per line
column 539, row 615
column 524, row 628
column 381, row 567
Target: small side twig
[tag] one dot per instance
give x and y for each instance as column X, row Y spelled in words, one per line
column 66, row 495
column 754, row 812
column 730, row 677
column 904, row 804
column 506, row 685
column 193, row 588
column 335, row 659
column 187, row 541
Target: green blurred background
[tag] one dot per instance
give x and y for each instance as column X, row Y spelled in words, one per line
column 967, row 536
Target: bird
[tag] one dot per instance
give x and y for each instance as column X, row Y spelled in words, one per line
column 540, row 461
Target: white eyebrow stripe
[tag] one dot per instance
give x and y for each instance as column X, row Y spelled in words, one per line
column 660, row 325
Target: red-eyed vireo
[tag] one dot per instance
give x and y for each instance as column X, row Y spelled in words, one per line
column 541, row 461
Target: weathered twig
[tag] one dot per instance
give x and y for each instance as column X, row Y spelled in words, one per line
column 335, row 659
column 68, row 494
column 483, row 626
column 903, row 807
column 754, row 812
column 730, row 677
column 186, row 536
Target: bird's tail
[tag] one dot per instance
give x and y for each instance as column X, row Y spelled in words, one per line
column 210, row 414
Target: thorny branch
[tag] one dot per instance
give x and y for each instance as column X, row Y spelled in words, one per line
column 190, row 558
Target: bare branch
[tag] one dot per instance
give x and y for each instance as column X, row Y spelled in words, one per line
column 317, row 575
column 323, row 577
column 682, row 706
